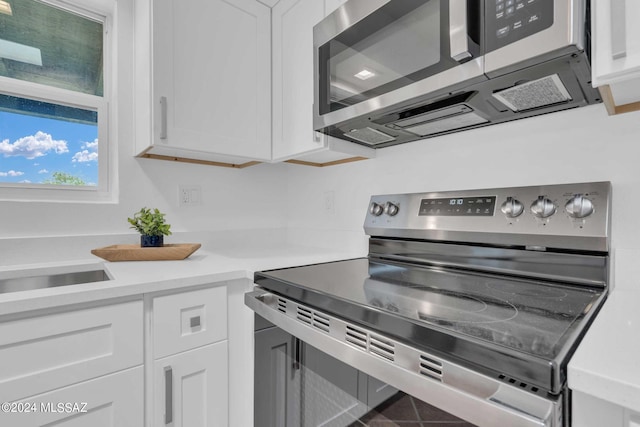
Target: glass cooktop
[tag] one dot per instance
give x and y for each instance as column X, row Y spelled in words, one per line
column 531, row 325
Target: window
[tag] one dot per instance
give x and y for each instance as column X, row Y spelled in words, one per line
column 53, row 101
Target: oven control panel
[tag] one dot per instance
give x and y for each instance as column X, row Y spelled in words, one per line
column 566, row 216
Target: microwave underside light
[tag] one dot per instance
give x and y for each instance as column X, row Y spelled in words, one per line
column 369, row 136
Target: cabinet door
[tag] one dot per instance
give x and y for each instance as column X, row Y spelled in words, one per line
column 616, row 49
column 191, row 388
column 114, row 400
column 293, row 22
column 211, row 66
column 276, row 379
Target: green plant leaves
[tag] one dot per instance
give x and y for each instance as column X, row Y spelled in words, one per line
column 150, row 223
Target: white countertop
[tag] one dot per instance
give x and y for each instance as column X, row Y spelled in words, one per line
column 606, row 364
column 138, row 277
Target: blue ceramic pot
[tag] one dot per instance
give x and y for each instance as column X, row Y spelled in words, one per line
column 151, row 241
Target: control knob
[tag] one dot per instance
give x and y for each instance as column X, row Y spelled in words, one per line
column 391, row 209
column 512, row 208
column 579, row 206
column 376, row 209
column 543, row 207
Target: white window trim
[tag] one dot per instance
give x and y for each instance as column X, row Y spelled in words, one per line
column 105, row 192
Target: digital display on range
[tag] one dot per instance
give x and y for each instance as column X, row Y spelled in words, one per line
column 458, row 206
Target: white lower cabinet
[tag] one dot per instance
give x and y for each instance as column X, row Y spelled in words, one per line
column 114, row 400
column 591, row 411
column 90, row 365
column 189, row 358
column 191, row 388
column 80, row 367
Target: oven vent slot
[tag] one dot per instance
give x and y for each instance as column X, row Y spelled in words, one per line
column 430, row 367
column 356, row 337
column 312, row 318
column 382, row 347
column 282, row 305
column 304, row 315
column 320, row 322
column 516, row 383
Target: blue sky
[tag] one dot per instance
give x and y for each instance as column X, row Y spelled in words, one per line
column 32, row 148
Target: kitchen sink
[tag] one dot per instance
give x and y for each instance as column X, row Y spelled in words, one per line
column 27, row 283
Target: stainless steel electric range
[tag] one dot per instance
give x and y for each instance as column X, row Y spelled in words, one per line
column 471, row 301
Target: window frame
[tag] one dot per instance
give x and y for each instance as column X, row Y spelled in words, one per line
column 101, row 11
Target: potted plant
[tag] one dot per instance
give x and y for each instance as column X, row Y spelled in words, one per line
column 151, row 226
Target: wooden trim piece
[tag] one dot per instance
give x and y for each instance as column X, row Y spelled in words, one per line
column 321, row 165
column 196, row 161
column 610, row 105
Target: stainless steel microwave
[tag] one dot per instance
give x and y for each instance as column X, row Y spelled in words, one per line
column 393, row 71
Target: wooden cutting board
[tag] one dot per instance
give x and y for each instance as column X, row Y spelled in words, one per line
column 136, row 253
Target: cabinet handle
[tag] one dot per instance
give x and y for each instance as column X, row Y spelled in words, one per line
column 194, row 321
column 618, row 29
column 168, row 395
column 163, row 117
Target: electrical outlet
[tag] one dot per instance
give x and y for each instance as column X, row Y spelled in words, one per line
column 189, row 195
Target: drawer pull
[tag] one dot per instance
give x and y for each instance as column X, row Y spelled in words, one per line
column 168, row 395
column 195, row 321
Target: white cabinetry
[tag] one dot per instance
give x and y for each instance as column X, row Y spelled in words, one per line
column 616, row 53
column 191, row 387
column 190, row 362
column 89, row 356
column 590, row 411
column 204, row 92
column 293, row 134
column 111, row 401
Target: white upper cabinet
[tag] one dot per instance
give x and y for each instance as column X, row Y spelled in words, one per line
column 293, row 134
column 207, row 81
column 616, row 53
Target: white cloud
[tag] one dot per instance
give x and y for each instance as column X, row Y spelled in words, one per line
column 41, row 171
column 33, row 146
column 12, row 173
column 91, row 145
column 89, row 152
column 85, row 156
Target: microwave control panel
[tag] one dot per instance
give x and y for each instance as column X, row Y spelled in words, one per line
column 508, row 21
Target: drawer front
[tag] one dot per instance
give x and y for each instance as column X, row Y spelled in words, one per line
column 188, row 320
column 43, row 353
column 115, row 400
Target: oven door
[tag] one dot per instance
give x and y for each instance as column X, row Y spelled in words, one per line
column 297, row 385
column 307, row 375
column 370, row 54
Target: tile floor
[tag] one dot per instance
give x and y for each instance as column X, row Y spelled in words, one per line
column 403, row 410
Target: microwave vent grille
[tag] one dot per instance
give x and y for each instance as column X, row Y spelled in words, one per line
column 535, row 94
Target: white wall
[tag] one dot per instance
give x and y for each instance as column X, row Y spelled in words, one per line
column 578, row 145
